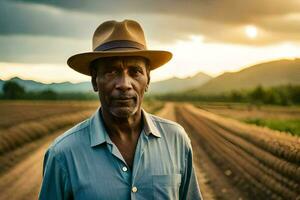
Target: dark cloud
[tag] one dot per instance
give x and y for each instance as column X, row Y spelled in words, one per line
column 43, row 31
column 165, row 21
column 19, row 18
column 225, row 11
column 31, row 49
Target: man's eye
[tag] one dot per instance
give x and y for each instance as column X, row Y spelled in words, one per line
column 136, row 71
column 111, row 72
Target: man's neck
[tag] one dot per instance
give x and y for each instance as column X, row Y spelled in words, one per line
column 123, row 128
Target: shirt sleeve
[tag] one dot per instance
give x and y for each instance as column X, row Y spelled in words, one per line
column 189, row 189
column 55, row 184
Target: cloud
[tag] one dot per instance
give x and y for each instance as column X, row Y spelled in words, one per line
column 166, row 21
column 33, row 49
column 225, row 11
column 45, row 31
column 35, row 19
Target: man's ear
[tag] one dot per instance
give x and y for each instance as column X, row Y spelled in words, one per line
column 94, row 83
column 148, row 82
column 94, row 79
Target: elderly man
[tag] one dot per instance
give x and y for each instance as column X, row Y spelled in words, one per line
column 121, row 152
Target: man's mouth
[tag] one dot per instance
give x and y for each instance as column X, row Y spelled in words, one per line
column 124, row 99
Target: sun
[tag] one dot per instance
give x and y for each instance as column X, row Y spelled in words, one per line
column 251, row 31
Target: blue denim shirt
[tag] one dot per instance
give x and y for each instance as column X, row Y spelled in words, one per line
column 84, row 163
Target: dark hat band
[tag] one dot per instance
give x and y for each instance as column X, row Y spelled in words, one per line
column 120, row 44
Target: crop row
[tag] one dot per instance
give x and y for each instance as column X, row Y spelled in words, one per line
column 13, row 113
column 24, row 126
column 257, row 168
column 20, row 134
column 281, row 145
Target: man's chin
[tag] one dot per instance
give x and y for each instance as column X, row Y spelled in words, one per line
column 124, row 112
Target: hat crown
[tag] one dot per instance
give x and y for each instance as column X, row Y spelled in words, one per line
column 113, row 32
column 113, row 39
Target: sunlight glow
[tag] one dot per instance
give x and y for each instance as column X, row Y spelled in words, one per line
column 291, row 50
column 46, row 73
column 197, row 38
column 189, row 57
column 214, row 59
column 251, row 31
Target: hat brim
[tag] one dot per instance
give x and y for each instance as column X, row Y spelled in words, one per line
column 81, row 62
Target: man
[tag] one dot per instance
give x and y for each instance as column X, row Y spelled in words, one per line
column 121, row 152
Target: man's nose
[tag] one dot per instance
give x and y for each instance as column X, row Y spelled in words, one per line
column 123, row 82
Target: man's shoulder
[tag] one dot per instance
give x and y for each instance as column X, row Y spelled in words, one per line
column 165, row 122
column 170, row 128
column 71, row 137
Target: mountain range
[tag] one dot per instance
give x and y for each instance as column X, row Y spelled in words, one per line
column 177, row 84
column 169, row 85
column 31, row 85
column 274, row 73
column 268, row 74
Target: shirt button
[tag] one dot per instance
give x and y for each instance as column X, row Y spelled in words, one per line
column 134, row 189
column 124, row 169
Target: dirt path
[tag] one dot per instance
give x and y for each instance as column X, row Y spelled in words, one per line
column 167, row 111
column 215, row 178
column 200, row 158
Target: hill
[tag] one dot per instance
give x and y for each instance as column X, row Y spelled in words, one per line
column 1, row 84
column 274, row 73
column 31, row 85
column 177, row 84
column 170, row 85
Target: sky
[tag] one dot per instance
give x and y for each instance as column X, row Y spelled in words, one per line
column 211, row 36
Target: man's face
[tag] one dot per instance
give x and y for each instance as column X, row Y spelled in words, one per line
column 121, row 83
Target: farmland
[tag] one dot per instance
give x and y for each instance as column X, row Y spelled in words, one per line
column 233, row 160
column 281, row 118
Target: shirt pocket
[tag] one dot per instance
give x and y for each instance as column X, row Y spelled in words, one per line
column 166, row 186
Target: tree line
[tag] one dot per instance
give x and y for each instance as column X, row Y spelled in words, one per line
column 13, row 91
column 279, row 95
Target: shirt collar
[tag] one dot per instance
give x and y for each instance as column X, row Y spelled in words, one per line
column 98, row 134
column 149, row 125
column 97, row 130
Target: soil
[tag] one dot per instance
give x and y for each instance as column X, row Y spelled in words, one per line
column 216, row 178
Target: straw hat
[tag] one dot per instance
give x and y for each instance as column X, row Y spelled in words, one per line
column 113, row 38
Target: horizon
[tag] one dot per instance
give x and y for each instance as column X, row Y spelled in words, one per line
column 212, row 38
column 189, row 76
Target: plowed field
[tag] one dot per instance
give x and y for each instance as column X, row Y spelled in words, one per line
column 233, row 160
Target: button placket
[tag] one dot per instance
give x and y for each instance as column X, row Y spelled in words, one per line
column 125, row 173
column 134, row 189
column 138, row 155
column 124, row 169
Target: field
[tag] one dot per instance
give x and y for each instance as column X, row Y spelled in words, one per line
column 233, row 160
column 281, row 118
